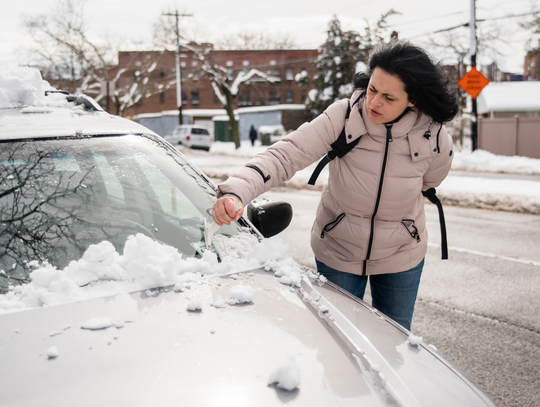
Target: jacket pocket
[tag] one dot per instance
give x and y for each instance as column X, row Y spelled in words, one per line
column 329, row 226
column 265, row 178
column 411, row 229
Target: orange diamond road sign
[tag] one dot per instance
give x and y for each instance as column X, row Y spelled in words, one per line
column 473, row 82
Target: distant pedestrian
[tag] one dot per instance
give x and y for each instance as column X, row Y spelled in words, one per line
column 252, row 135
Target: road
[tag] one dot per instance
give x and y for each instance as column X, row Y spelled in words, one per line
column 480, row 308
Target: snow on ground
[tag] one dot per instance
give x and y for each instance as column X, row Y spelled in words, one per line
column 505, row 192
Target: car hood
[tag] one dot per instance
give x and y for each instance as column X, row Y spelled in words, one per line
column 158, row 353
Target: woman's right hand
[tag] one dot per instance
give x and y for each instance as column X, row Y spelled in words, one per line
column 227, row 209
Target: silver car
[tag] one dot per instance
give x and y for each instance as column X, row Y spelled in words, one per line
column 115, row 291
column 197, row 137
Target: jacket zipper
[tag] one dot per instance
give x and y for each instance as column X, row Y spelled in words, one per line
column 329, row 226
column 378, row 200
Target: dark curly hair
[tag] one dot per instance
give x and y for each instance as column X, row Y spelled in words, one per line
column 426, row 85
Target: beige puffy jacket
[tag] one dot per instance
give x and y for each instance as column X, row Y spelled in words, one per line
column 370, row 219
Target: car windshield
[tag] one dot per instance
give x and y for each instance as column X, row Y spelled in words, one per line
column 59, row 196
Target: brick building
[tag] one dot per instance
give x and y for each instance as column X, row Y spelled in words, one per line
column 156, row 71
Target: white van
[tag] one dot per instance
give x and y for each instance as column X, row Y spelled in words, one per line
column 191, row 136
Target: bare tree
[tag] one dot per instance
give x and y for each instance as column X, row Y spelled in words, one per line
column 62, row 46
column 256, row 40
column 225, row 86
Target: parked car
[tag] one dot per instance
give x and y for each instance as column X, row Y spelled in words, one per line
column 191, row 136
column 114, row 292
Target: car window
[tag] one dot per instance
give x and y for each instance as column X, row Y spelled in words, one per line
column 58, row 197
column 200, row 131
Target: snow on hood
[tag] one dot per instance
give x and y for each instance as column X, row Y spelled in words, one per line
column 146, row 264
column 23, row 87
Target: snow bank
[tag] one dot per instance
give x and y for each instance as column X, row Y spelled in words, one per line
column 484, row 161
column 147, row 264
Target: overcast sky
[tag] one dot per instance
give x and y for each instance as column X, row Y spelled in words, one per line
column 304, row 21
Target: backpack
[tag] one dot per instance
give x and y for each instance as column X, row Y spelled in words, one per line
column 340, row 147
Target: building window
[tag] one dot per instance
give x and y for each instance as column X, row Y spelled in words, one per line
column 184, row 97
column 303, row 96
column 194, row 98
column 245, row 97
column 289, row 97
column 230, row 73
column 273, row 97
column 162, row 97
column 194, row 75
column 162, row 72
column 276, row 73
column 245, row 63
column 272, row 62
column 289, row 74
column 229, row 63
column 137, row 74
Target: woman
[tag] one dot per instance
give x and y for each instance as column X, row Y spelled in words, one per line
column 370, row 221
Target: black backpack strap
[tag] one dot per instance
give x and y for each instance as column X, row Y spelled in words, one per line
column 340, row 147
column 430, row 194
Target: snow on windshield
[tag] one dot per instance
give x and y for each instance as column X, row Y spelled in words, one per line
column 146, row 264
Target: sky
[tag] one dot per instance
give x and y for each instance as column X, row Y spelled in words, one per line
column 304, row 21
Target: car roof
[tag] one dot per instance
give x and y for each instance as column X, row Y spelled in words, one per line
column 68, row 120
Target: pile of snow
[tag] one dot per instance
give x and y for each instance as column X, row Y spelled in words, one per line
column 23, row 87
column 147, row 264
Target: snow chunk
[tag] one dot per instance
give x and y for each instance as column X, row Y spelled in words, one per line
column 218, row 303
column 194, row 305
column 241, row 294
column 102, row 323
column 52, row 352
column 415, row 340
column 287, row 376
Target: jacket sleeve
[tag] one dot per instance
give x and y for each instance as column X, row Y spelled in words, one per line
column 283, row 159
column 440, row 166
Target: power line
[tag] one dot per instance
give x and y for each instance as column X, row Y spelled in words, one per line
column 467, row 24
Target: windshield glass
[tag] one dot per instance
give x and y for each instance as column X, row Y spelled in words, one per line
column 58, row 197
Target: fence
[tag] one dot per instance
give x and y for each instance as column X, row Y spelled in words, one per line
column 510, row 136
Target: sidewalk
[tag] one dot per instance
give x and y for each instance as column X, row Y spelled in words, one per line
column 477, row 180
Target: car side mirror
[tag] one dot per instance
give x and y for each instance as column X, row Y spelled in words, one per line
column 269, row 216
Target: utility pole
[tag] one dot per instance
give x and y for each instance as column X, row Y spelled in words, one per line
column 176, row 15
column 474, row 118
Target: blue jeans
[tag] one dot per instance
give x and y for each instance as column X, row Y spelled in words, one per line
column 393, row 294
